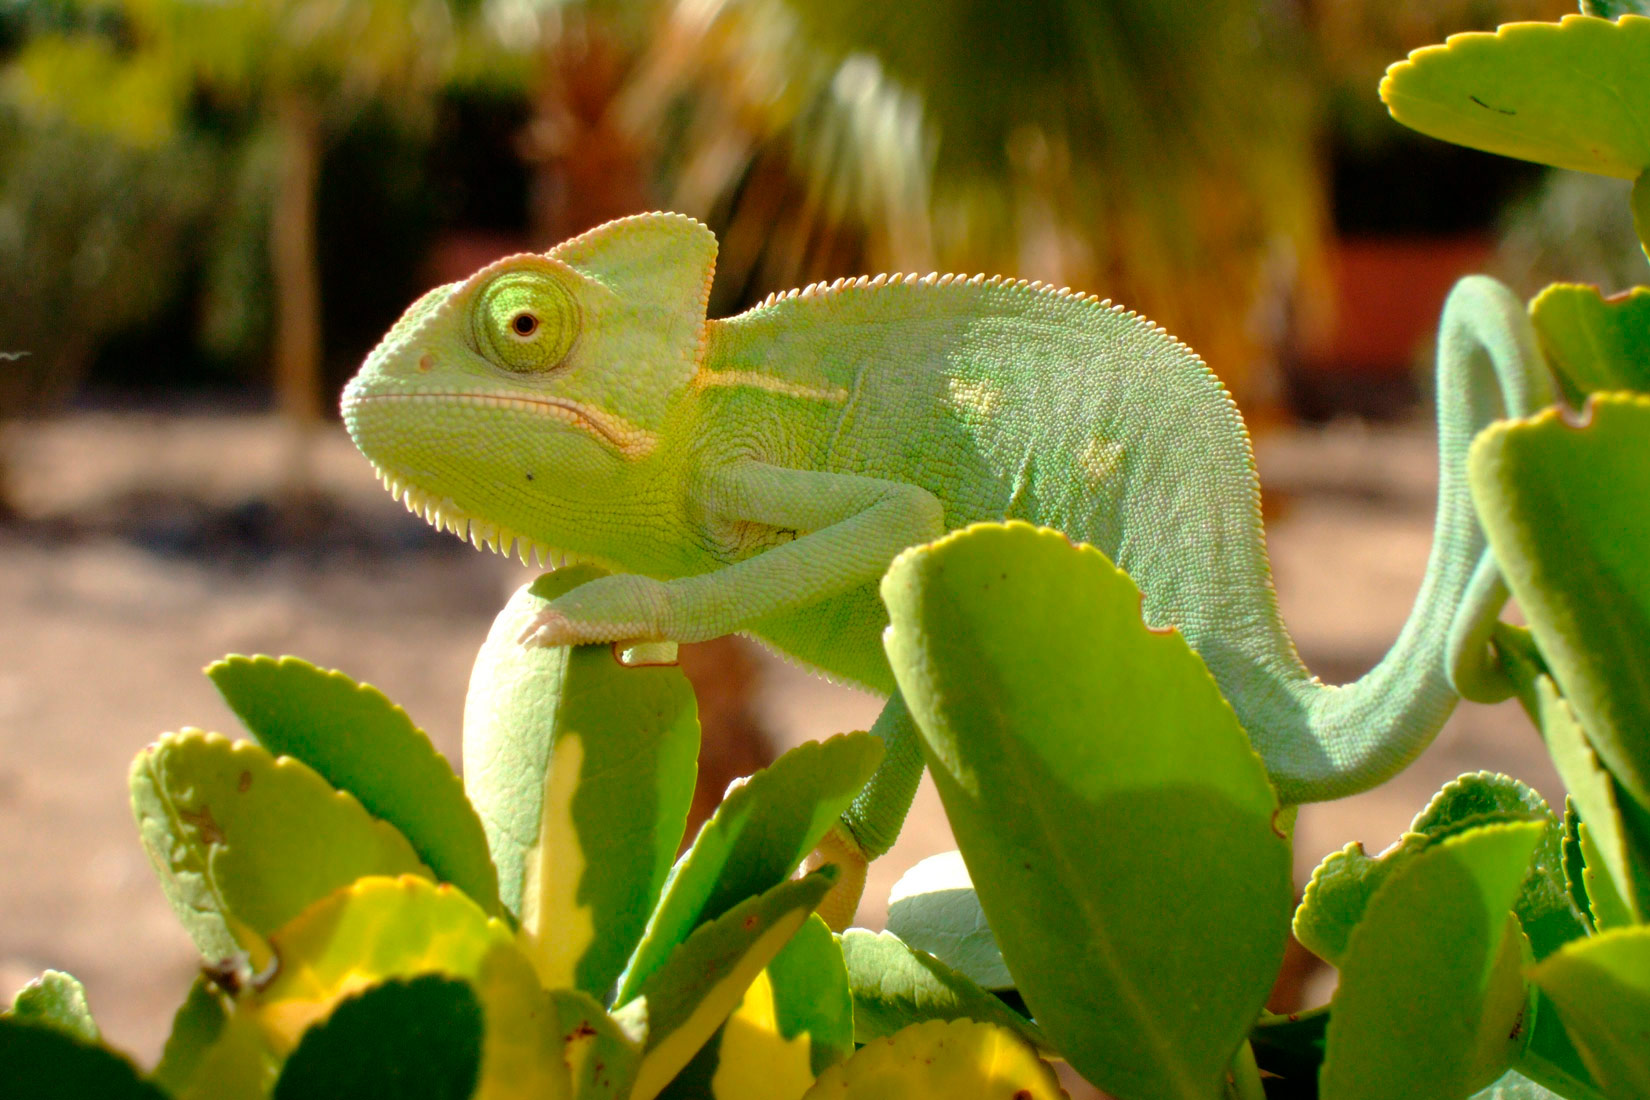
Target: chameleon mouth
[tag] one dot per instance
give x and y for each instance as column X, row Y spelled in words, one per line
column 613, row 430
column 444, row 515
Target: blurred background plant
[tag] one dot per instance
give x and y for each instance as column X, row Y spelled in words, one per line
column 244, row 191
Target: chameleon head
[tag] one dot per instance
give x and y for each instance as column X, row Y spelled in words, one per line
column 525, row 402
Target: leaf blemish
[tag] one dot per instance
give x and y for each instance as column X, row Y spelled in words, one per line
column 202, row 821
column 244, row 783
column 1487, row 107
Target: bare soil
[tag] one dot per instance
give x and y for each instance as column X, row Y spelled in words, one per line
column 146, row 547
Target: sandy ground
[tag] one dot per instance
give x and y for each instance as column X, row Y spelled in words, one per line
column 143, row 554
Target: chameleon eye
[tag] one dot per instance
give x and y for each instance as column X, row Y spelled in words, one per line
column 525, row 321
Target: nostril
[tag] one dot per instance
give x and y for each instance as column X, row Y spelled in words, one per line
column 426, row 362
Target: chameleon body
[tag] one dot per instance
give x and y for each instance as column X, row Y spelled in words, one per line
column 759, row 473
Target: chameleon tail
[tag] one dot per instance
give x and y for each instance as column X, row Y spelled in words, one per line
column 1357, row 735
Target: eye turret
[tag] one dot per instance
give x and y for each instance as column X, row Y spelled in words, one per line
column 525, row 321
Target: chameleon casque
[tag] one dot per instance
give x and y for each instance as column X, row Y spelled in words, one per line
column 758, row 474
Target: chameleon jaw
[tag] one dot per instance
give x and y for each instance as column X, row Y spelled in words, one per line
column 444, row 515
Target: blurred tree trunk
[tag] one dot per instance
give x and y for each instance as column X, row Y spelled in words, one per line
column 292, row 251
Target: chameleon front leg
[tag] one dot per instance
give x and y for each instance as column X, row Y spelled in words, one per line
column 852, row 527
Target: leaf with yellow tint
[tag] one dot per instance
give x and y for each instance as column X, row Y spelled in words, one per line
column 941, row 1060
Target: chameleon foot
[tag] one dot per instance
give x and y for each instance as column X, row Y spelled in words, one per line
column 840, row 905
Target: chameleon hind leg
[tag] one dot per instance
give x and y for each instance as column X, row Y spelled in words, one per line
column 870, row 826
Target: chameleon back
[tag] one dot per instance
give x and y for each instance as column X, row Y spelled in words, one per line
column 1006, row 400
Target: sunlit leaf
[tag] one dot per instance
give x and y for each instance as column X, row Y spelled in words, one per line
column 705, row 978
column 1602, row 989
column 58, row 1000
column 942, row 1060
column 1119, row 830
column 1567, row 94
column 582, row 769
column 1555, row 499
column 1592, row 342
column 1343, row 883
column 196, row 1026
column 1431, row 1001
column 896, row 986
column 758, row 835
column 383, row 928
column 360, row 742
column 933, row 908
column 242, row 842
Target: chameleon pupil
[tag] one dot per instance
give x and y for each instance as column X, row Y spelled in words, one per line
column 524, row 324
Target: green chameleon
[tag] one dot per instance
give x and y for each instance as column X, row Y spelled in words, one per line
column 758, row 474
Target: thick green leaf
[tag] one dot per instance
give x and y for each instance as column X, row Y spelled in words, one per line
column 896, row 985
column 933, row 908
column 1431, row 1002
column 793, row 1022
column 706, row 976
column 237, row 1064
column 582, row 769
column 1592, row 342
column 942, row 1060
column 1551, row 1059
column 1610, row 908
column 1574, row 863
column 810, row 995
column 757, row 836
column 413, row 1039
column 1605, row 840
column 57, row 1000
column 243, row 841
column 196, row 1026
column 1559, row 501
column 1343, row 883
column 1119, row 830
column 1569, row 94
column 381, row 928
column 601, row 1058
column 1602, row 989
column 360, row 742
column 40, row 1061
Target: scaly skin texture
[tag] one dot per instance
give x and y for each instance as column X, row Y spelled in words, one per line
column 758, row 474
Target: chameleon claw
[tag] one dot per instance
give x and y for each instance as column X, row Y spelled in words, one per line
column 548, row 628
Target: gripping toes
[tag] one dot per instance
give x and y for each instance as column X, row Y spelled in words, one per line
column 622, row 608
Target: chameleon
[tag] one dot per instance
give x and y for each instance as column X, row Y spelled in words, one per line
column 758, row 474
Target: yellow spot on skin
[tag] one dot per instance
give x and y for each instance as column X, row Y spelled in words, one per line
column 555, row 929
column 756, row 1060
column 1100, row 461
column 706, row 379
column 975, row 395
